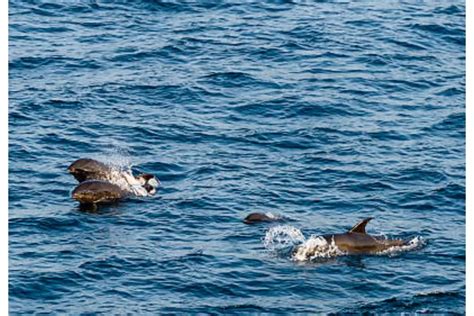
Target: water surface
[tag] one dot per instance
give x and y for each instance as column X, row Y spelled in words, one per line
column 325, row 112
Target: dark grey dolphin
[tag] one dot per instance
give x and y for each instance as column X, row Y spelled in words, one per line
column 254, row 218
column 98, row 191
column 89, row 169
column 357, row 241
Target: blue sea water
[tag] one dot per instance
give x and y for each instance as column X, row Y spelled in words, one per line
column 324, row 112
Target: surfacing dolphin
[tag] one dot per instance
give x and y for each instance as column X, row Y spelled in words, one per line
column 98, row 191
column 89, row 169
column 355, row 241
column 254, row 218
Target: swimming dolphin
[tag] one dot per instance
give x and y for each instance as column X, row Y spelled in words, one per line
column 89, row 169
column 254, row 218
column 98, row 191
column 357, row 241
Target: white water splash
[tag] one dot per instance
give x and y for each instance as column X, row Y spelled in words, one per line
column 316, row 247
column 118, row 158
column 274, row 216
column 120, row 162
column 282, row 237
column 125, row 180
column 286, row 238
column 416, row 242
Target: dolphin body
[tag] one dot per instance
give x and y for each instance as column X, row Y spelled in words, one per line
column 97, row 191
column 356, row 241
column 89, row 169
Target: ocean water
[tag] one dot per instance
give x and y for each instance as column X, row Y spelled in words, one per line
column 324, row 112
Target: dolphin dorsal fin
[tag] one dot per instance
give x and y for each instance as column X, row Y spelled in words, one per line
column 360, row 226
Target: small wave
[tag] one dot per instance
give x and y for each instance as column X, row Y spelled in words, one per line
column 451, row 10
column 454, row 121
column 438, row 29
column 406, row 44
column 60, row 62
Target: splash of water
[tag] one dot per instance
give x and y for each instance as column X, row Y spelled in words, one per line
column 118, row 158
column 120, row 162
column 415, row 243
column 280, row 238
column 273, row 216
column 316, row 247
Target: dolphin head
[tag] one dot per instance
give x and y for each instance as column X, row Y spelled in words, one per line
column 253, row 218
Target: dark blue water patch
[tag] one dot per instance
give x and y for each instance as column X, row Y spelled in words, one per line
column 448, row 33
column 167, row 52
column 47, row 286
column 293, row 106
column 439, row 29
column 409, row 45
column 452, row 123
column 46, row 223
column 388, row 136
column 103, row 38
column 157, row 94
column 451, row 10
column 452, row 191
column 40, row 31
column 236, row 79
column 451, row 92
column 438, row 300
column 170, row 6
column 30, row 63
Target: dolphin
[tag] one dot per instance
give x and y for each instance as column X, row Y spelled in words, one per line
column 89, row 169
column 355, row 241
column 254, row 218
column 98, row 191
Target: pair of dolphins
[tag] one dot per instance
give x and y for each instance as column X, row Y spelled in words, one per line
column 354, row 241
column 100, row 183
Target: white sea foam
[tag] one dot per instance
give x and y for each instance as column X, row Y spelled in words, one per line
column 415, row 243
column 119, row 159
column 282, row 237
column 273, row 216
column 316, row 247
